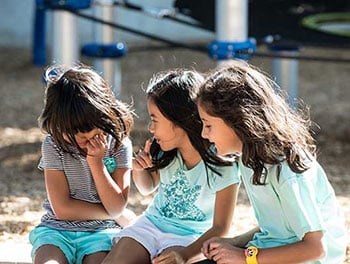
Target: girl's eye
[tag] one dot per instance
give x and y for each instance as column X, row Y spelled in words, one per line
column 152, row 122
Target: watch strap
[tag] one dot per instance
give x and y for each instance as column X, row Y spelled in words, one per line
column 250, row 254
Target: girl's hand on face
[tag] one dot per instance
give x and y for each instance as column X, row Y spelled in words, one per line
column 97, row 146
column 143, row 159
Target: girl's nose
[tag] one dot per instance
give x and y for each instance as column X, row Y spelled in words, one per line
column 150, row 127
column 203, row 134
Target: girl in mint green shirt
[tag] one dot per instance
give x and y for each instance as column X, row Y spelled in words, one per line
column 244, row 113
column 195, row 189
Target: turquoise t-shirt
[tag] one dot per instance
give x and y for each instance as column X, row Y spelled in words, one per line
column 296, row 204
column 184, row 203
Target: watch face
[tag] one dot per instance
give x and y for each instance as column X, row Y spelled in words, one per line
column 252, row 251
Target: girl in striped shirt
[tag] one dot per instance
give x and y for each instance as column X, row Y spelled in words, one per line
column 86, row 159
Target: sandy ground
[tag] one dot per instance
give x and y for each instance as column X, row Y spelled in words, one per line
column 323, row 86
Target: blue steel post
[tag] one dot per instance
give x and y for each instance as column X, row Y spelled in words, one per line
column 39, row 38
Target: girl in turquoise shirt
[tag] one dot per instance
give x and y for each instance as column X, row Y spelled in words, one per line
column 295, row 206
column 196, row 189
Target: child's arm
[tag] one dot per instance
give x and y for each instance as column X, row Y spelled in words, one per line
column 224, row 206
column 146, row 182
column 238, row 241
column 127, row 217
column 310, row 248
column 65, row 207
column 112, row 189
column 243, row 239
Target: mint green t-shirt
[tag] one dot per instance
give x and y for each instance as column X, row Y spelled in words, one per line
column 297, row 203
column 184, row 203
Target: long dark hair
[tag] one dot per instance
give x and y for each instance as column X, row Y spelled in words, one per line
column 78, row 99
column 253, row 106
column 173, row 92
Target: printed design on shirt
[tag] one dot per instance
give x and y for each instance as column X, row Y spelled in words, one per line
column 110, row 164
column 181, row 198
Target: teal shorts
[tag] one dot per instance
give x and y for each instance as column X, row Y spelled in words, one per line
column 74, row 245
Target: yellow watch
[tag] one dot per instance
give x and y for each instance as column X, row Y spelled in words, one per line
column 250, row 254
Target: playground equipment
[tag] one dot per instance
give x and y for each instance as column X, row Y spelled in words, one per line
column 286, row 70
column 231, row 30
column 65, row 36
column 231, row 34
column 105, row 49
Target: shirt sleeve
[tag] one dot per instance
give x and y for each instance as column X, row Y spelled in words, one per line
column 229, row 175
column 50, row 155
column 123, row 155
column 298, row 196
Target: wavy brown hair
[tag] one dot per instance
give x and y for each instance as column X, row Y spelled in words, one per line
column 251, row 104
column 77, row 99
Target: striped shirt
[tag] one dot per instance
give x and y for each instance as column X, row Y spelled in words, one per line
column 80, row 181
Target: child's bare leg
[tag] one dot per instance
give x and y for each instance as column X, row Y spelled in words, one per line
column 129, row 251
column 95, row 258
column 49, row 253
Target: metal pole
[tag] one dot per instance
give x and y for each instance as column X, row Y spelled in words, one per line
column 104, row 34
column 285, row 71
column 39, row 35
column 65, row 38
column 231, row 20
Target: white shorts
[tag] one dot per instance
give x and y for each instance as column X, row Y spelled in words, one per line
column 153, row 239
